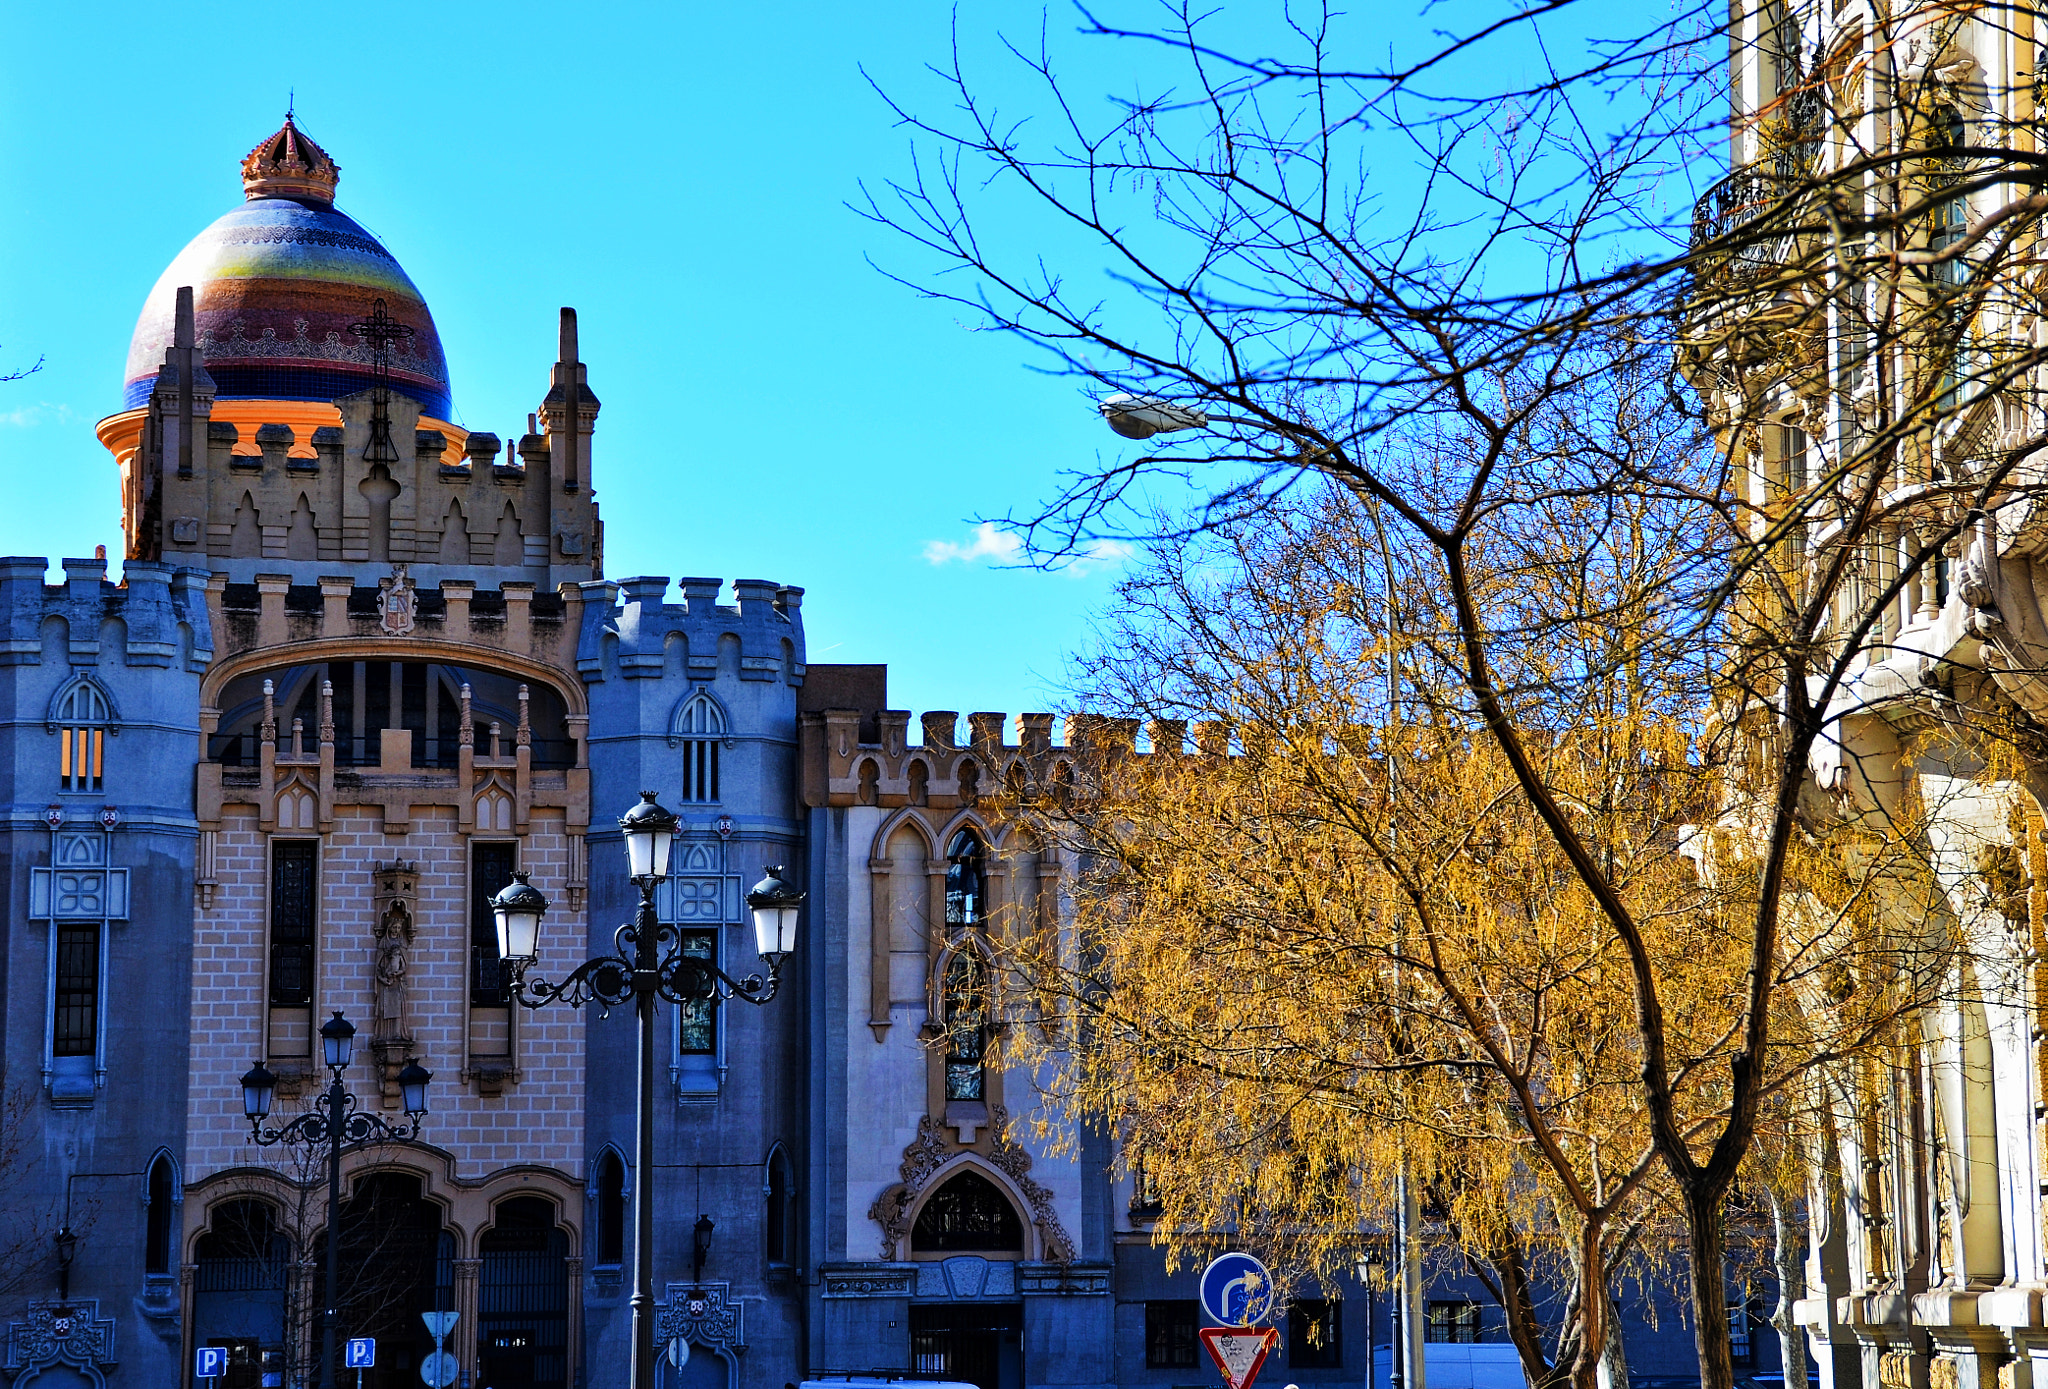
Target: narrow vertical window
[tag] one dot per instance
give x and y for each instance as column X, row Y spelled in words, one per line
column 293, row 912
column 157, row 1237
column 966, row 1003
column 697, row 1021
column 78, row 989
column 778, row 1208
column 611, row 1208
column 1314, row 1334
column 698, row 729
column 490, row 871
column 82, row 717
column 966, row 871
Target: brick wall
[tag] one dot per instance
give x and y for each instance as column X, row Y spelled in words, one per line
column 538, row 1119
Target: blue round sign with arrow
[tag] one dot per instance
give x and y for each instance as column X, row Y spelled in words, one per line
column 1237, row 1290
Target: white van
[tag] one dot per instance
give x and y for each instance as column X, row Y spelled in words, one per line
column 882, row 1381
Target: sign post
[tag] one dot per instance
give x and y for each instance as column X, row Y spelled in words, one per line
column 1237, row 1291
column 212, row 1362
column 439, row 1369
column 361, row 1355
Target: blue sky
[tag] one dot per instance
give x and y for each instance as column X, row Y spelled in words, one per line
column 773, row 407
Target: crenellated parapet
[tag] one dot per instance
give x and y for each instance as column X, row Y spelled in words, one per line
column 630, row 631
column 161, row 609
column 848, row 764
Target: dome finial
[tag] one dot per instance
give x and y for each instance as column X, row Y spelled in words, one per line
column 289, row 165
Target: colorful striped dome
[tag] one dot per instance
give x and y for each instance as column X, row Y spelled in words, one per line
column 278, row 285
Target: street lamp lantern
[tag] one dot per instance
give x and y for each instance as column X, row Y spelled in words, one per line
column 412, row 1084
column 519, row 909
column 338, row 1040
column 775, row 906
column 649, row 965
column 649, row 832
column 1142, row 416
column 258, row 1085
column 700, row 1247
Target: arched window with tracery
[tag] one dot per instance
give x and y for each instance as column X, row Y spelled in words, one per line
column 966, row 1003
column 81, row 719
column 968, row 1215
column 966, row 877
column 698, row 729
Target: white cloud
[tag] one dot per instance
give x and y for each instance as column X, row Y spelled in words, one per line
column 989, row 542
column 998, row 546
column 29, row 416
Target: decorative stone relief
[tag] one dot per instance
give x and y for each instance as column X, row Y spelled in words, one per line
column 61, row 1333
column 925, row 1155
column 868, row 1281
column 1058, row 1245
column 703, row 1314
column 397, row 603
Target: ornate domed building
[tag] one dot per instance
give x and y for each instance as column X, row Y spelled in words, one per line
column 278, row 285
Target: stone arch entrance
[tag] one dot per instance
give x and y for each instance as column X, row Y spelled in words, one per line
column 523, row 1297
column 396, row 1262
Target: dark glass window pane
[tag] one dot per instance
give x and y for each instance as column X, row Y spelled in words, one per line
column 1314, row 1341
column 778, row 1209
column 966, row 1026
column 968, row 1213
column 78, row 989
column 697, row 1021
column 611, row 1209
column 490, row 870
column 292, row 918
column 156, row 1242
column 1452, row 1321
column 1170, row 1335
column 964, row 874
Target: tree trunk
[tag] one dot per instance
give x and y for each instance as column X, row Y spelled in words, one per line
column 1524, row 1324
column 1596, row 1328
column 1613, row 1360
column 1707, row 1241
column 1791, row 1268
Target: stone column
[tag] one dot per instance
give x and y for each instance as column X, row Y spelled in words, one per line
column 573, row 1343
column 464, row 1341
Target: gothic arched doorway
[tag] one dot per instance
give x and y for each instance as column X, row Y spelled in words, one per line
column 523, row 1301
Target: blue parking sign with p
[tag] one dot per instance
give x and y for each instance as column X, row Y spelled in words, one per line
column 362, row 1353
column 213, row 1362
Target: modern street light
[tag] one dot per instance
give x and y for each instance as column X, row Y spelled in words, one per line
column 641, row 971
column 334, row 1120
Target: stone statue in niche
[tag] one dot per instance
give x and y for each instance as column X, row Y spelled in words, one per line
column 396, row 902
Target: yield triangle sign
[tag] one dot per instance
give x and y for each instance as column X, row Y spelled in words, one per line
column 1239, row 1351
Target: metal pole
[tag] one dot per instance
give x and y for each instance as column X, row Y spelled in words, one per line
column 335, row 1098
column 645, row 981
column 1411, row 1287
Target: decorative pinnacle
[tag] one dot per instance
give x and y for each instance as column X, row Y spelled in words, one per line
column 289, row 165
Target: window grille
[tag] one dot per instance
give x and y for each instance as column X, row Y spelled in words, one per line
column 1453, row 1322
column 82, row 718
column 293, row 912
column 699, row 727
column 967, row 1215
column 1170, row 1335
column 1314, row 1334
column 78, row 989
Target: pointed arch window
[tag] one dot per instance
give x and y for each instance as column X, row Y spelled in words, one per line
column 969, row 1214
column 698, row 729
column 81, row 718
column 966, row 875
column 159, row 1238
column 777, row 1192
column 966, row 1012
column 611, row 1208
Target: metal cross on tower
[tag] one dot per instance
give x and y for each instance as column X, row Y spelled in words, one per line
column 379, row 331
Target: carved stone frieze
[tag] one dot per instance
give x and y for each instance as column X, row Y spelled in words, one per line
column 1058, row 1245
column 869, row 1280
column 702, row 1314
column 926, row 1153
column 61, row 1333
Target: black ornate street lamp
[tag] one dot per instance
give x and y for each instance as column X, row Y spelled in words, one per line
column 334, row 1120
column 649, row 965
